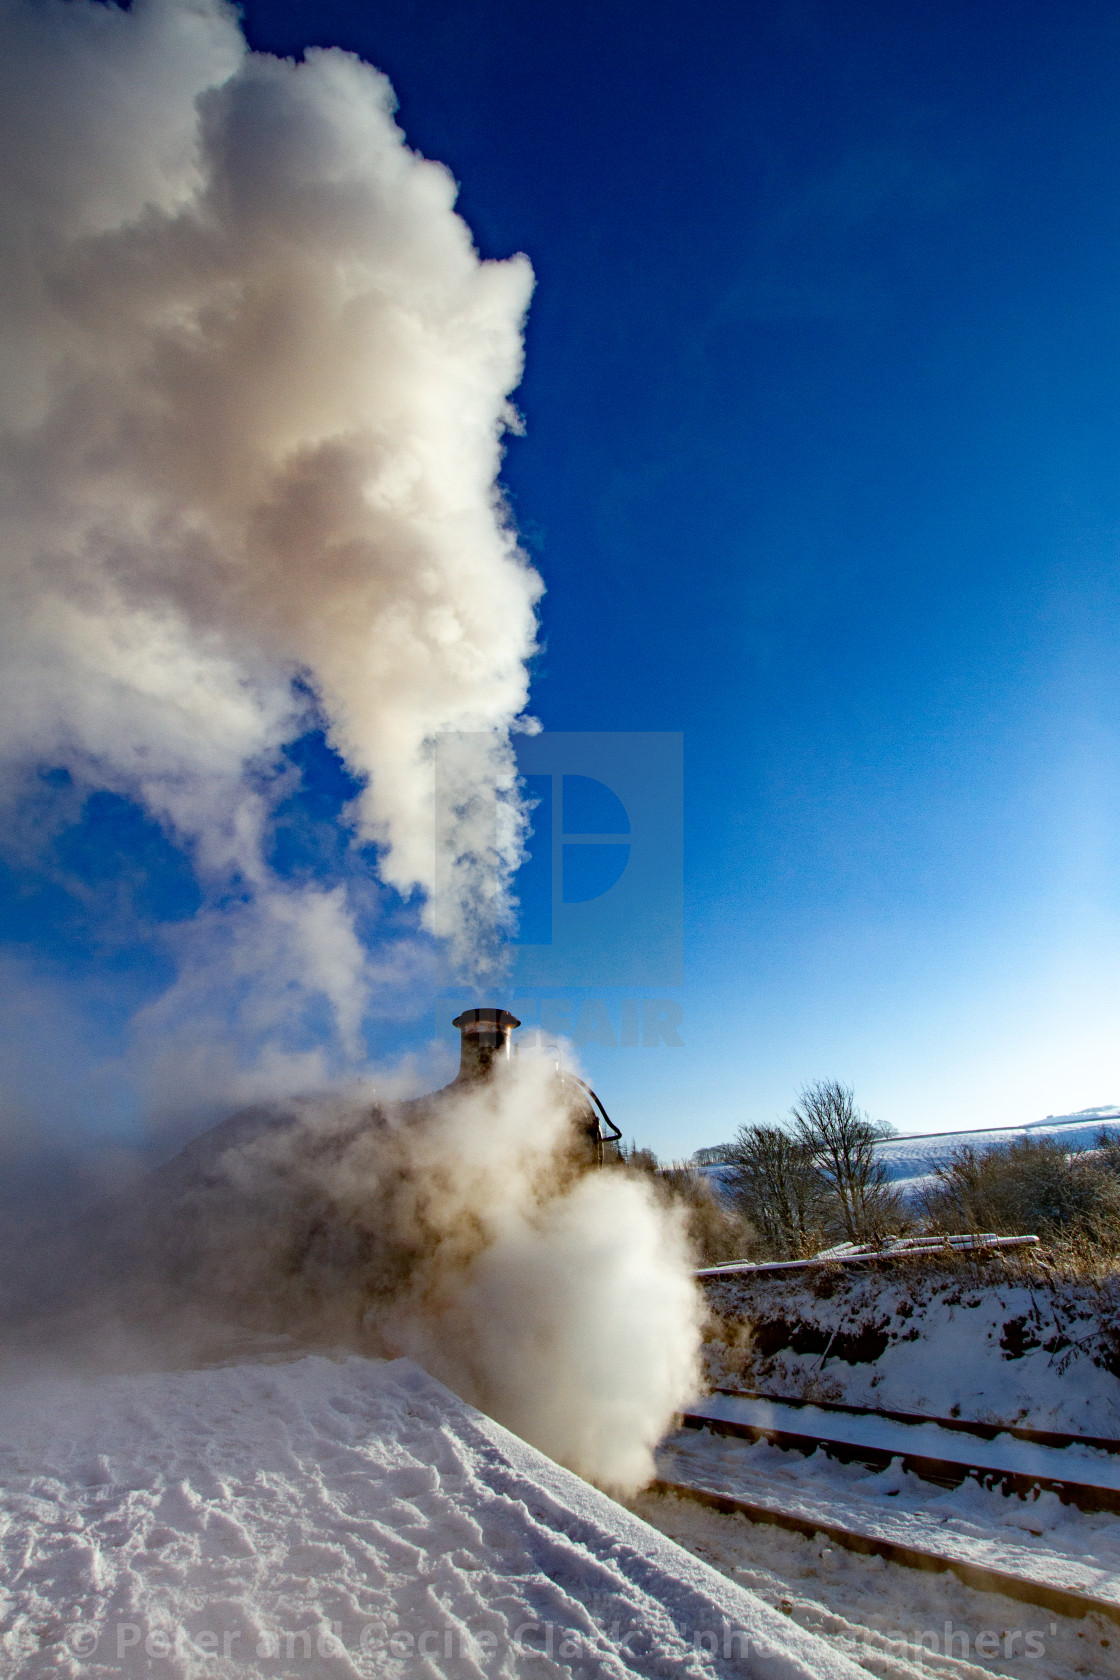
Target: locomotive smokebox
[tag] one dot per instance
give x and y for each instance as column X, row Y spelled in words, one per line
column 485, row 1040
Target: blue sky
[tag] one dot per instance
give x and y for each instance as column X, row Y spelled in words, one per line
column 821, row 468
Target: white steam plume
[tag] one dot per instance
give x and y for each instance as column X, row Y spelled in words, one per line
column 564, row 1307
column 254, row 380
column 460, row 1229
column 254, row 384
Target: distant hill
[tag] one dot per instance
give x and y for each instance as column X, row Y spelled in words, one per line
column 909, row 1158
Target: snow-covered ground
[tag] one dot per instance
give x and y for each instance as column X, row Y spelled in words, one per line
column 1036, row 1539
column 948, row 1343
column 898, row 1623
column 1092, row 1467
column 974, row 1341
column 348, row 1517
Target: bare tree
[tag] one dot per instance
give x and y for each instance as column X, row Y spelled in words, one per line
column 775, row 1183
column 841, row 1142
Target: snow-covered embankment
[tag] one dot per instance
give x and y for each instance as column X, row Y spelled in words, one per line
column 974, row 1342
column 345, row 1518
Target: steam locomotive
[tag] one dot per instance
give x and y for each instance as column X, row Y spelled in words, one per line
column 486, row 1043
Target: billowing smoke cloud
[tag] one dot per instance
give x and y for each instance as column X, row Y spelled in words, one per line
column 561, row 1303
column 464, row 1229
column 254, row 384
column 255, row 380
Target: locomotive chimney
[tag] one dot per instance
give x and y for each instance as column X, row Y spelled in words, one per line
column 485, row 1041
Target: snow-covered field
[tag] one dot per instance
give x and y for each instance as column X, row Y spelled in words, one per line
column 910, row 1158
column 341, row 1517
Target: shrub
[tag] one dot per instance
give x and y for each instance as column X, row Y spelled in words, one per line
column 1028, row 1184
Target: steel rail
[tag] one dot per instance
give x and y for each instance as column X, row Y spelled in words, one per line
column 1065, row 1601
column 941, row 1472
column 965, row 1426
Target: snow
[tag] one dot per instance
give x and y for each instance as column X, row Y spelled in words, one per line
column 980, row 1243
column 1037, row 1539
column 338, row 1517
column 1089, row 1465
column 910, row 1157
column 899, row 1623
column 947, row 1345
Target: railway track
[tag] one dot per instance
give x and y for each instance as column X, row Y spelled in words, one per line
column 964, row 1426
column 1082, row 1472
column 1085, row 1473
